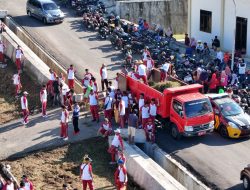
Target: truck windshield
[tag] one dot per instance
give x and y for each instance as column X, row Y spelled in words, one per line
column 228, row 107
column 49, row 6
column 197, row 107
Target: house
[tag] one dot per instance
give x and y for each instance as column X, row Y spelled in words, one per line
column 222, row 18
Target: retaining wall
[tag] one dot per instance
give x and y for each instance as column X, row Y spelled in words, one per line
column 174, row 168
column 167, row 13
column 44, row 56
column 32, row 63
column 147, row 174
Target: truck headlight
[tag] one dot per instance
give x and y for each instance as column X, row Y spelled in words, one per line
column 188, row 128
column 233, row 125
column 211, row 124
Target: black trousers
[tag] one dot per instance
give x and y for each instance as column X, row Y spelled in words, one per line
column 75, row 124
column 104, row 81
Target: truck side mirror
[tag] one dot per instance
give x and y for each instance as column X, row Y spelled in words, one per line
column 181, row 114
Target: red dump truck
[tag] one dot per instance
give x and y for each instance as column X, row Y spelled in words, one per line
column 184, row 109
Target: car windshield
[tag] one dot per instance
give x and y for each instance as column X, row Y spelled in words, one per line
column 197, row 107
column 228, row 107
column 50, row 6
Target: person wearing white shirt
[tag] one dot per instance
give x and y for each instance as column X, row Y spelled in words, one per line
column 142, row 71
column 43, row 99
column 86, row 173
column 24, row 106
column 104, row 76
column 164, row 70
column 93, row 102
column 71, row 77
column 1, row 51
column 242, row 70
column 17, row 83
column 19, row 55
column 122, row 112
column 108, row 107
column 219, row 55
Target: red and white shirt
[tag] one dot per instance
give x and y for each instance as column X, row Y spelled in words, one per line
column 144, row 112
column 65, row 116
column 150, row 127
column 104, row 73
column 144, row 54
column 71, row 74
column 86, row 171
column 152, row 110
column 117, row 141
column 94, row 87
column 141, row 103
column 93, row 99
column 122, row 174
column 126, row 101
column 19, row 53
column 8, row 186
column 122, row 108
column 107, row 126
column 52, row 76
column 149, row 63
column 43, row 95
column 86, row 79
column 24, row 102
column 142, row 70
column 28, row 185
column 16, row 79
column 108, row 102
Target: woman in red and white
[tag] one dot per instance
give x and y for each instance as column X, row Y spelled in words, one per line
column 64, row 123
column 145, row 54
column 43, row 99
column 108, row 107
column 1, row 51
column 115, row 144
column 17, row 83
column 9, row 185
column 19, row 55
column 28, row 183
column 86, row 173
column 121, row 176
column 122, row 112
column 71, row 77
column 24, row 106
column 52, row 78
column 142, row 72
column 93, row 102
column 61, row 78
column 149, row 62
column 104, row 76
column 86, row 80
column 150, row 131
column 145, row 114
column 152, row 110
column 106, row 128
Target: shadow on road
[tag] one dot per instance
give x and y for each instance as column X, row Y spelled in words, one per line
column 236, row 187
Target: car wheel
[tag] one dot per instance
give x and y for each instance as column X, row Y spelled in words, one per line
column 246, row 183
column 223, row 132
column 175, row 132
column 45, row 21
column 28, row 13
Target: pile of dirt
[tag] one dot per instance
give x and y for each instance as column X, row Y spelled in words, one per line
column 161, row 86
column 10, row 106
column 51, row 169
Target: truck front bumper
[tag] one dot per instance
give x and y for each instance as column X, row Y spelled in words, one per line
column 198, row 132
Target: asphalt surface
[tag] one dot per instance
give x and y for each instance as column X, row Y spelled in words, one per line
column 218, row 160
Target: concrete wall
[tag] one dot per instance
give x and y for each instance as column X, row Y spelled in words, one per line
column 146, row 173
column 45, row 57
column 167, row 13
column 32, row 63
column 174, row 168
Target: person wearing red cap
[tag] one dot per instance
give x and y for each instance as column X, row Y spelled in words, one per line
column 115, row 144
column 64, row 123
column 28, row 183
column 43, row 99
column 17, row 83
column 121, row 176
column 106, row 128
column 71, row 77
column 19, row 55
column 93, row 102
column 150, row 131
column 24, row 106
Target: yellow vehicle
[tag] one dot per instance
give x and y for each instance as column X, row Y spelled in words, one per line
column 230, row 119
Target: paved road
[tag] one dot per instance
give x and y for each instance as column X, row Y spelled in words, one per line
column 218, row 160
column 67, row 41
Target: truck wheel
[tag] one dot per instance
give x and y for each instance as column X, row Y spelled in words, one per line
column 223, row 131
column 246, row 182
column 175, row 132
